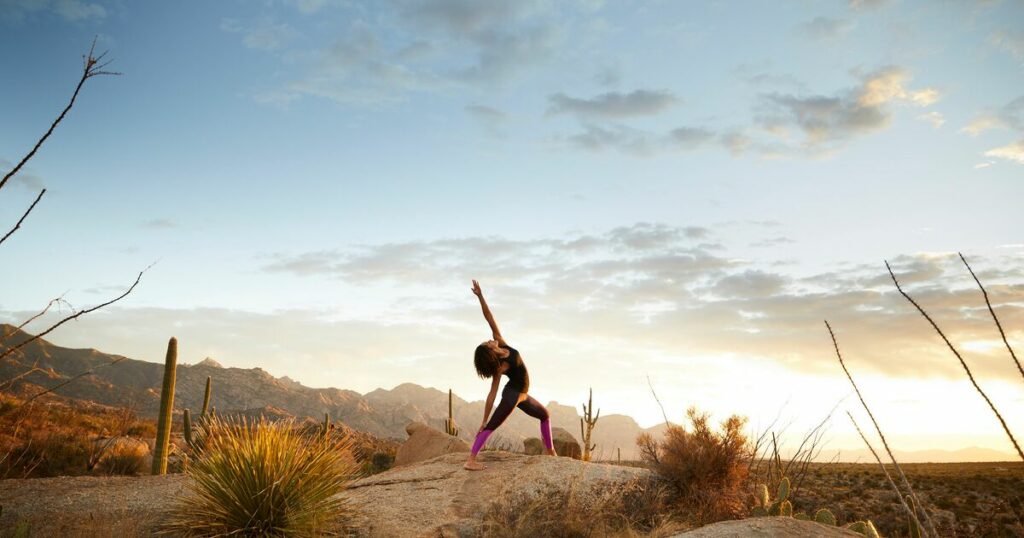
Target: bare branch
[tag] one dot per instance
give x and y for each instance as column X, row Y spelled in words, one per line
column 892, row 483
column 655, row 394
column 903, row 477
column 962, row 363
column 58, row 300
column 994, row 318
column 22, row 219
column 12, row 349
column 92, row 66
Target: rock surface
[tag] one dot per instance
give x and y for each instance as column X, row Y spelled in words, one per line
column 425, row 442
column 565, row 444
column 439, row 498
column 768, row 527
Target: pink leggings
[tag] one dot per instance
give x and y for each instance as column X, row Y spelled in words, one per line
column 509, row 399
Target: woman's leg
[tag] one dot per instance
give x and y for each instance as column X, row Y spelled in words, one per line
column 509, row 399
column 536, row 410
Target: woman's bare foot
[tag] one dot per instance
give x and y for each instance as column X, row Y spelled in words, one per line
column 473, row 465
column 550, row 452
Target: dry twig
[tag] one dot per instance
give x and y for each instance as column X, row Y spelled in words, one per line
column 994, row 318
column 959, row 358
column 903, row 477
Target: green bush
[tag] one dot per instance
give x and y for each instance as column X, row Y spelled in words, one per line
column 262, row 478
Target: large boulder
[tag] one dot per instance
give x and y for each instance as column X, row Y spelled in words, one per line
column 565, row 444
column 425, row 442
column 438, row 498
column 768, row 527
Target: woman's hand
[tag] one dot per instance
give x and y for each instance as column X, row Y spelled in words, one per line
column 476, row 289
column 482, row 425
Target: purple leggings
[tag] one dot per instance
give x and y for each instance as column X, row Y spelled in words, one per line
column 530, row 406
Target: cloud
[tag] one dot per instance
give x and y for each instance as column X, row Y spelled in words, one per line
column 1009, row 41
column 612, row 105
column 823, row 28
column 866, row 4
column 709, row 303
column 1009, row 116
column 69, row 10
column 413, row 46
column 490, row 118
column 827, row 121
column 624, row 139
column 983, row 123
column 159, row 224
column 264, row 34
column 1012, row 152
column 935, row 118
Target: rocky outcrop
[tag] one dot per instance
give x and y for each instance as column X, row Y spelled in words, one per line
column 768, row 527
column 439, row 498
column 425, row 443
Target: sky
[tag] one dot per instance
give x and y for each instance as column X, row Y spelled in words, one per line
column 678, row 192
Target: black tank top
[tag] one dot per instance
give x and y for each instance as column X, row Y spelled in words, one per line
column 518, row 378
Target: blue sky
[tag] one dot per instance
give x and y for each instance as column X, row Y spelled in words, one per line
column 676, row 189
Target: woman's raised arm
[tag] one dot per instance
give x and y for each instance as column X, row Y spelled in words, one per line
column 487, row 312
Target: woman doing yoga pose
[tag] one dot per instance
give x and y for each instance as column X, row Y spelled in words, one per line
column 493, row 359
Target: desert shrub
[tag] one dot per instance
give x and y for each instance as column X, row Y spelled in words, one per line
column 706, row 467
column 123, row 459
column 631, row 509
column 378, row 462
column 54, row 454
column 262, row 478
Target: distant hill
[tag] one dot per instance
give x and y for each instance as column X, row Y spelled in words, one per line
column 381, row 412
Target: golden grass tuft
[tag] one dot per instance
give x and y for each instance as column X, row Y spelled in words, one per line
column 262, row 478
column 637, row 508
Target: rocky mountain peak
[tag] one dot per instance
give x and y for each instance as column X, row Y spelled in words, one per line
column 208, row 361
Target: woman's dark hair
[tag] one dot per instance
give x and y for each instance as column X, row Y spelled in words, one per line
column 485, row 361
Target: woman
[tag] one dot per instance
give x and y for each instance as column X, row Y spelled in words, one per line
column 493, row 359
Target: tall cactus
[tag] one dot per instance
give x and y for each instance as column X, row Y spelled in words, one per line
column 206, row 395
column 163, row 425
column 449, row 423
column 326, row 430
column 588, row 420
column 187, row 427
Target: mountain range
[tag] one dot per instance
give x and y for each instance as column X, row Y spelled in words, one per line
column 122, row 381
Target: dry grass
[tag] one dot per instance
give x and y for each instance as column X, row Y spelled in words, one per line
column 262, row 478
column 707, row 468
column 638, row 508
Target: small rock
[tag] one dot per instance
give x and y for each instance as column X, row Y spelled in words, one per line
column 425, row 442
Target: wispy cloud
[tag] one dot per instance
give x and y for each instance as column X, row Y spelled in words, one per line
column 1011, row 41
column 1009, row 116
column 69, row 10
column 823, row 28
column 263, row 34
column 1011, row 152
column 613, row 105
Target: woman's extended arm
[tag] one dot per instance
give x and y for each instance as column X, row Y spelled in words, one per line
column 490, row 400
column 487, row 312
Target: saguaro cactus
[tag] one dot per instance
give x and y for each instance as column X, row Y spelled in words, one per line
column 326, row 427
column 163, row 425
column 206, row 395
column 449, row 423
column 589, row 419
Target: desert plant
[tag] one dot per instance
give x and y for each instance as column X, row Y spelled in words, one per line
column 206, row 395
column 637, row 508
column 707, row 468
column 163, row 427
column 449, row 423
column 262, row 478
column 589, row 419
column 764, row 505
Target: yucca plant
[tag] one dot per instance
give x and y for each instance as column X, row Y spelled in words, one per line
column 262, row 478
